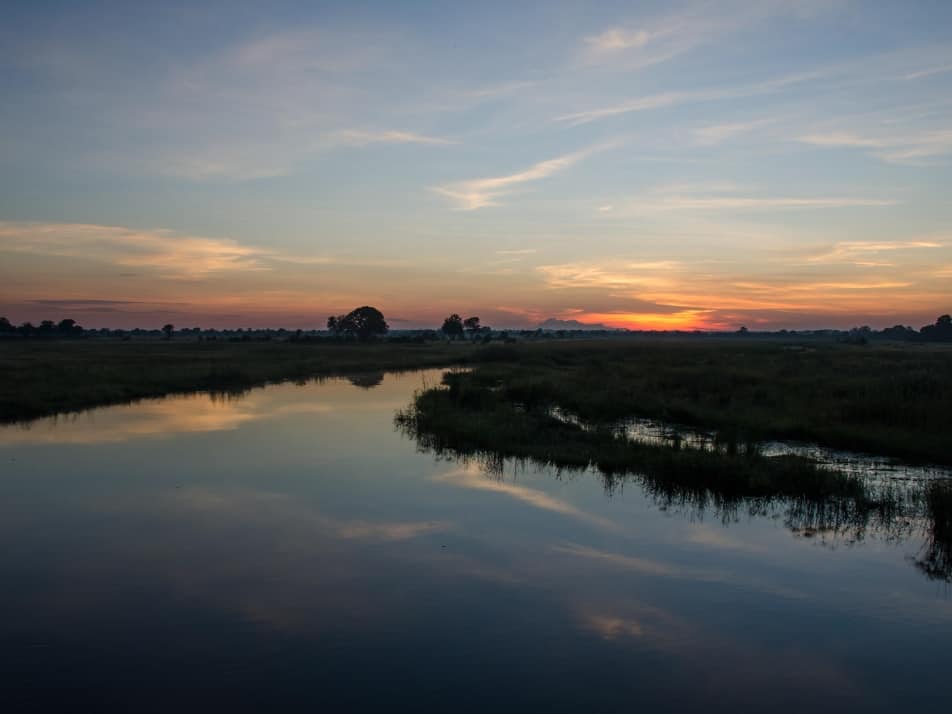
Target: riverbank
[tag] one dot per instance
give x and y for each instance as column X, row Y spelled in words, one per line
column 43, row 378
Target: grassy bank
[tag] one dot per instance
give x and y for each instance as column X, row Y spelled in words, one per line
column 41, row 378
column 481, row 421
column 886, row 399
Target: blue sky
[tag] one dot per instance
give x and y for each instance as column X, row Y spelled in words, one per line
column 698, row 164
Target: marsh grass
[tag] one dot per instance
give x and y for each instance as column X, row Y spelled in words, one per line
column 467, row 420
column 475, row 416
column 893, row 400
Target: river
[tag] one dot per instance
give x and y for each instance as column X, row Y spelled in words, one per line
column 289, row 549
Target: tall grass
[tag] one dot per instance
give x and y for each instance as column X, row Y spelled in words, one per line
column 892, row 400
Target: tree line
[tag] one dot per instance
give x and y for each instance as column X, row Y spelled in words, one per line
column 47, row 328
column 367, row 323
column 939, row 331
column 364, row 323
column 455, row 327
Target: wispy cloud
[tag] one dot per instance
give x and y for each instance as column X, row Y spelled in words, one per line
column 479, row 193
column 166, row 252
column 909, row 146
column 636, row 47
column 929, row 72
column 614, row 275
column 619, row 38
column 762, row 203
column 161, row 252
column 860, row 252
column 674, row 98
column 651, row 41
column 656, row 101
column 498, row 90
column 355, row 137
column 726, row 197
column 718, row 133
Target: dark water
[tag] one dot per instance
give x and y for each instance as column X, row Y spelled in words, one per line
column 290, row 550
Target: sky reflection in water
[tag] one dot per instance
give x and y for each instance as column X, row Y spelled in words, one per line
column 291, row 548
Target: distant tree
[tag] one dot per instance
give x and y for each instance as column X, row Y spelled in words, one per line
column 168, row 330
column 899, row 332
column 453, row 326
column 47, row 327
column 334, row 324
column 471, row 325
column 363, row 323
column 26, row 329
column 857, row 336
column 743, row 330
column 69, row 328
column 941, row 331
column 5, row 326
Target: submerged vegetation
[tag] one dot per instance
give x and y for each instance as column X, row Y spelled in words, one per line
column 936, row 557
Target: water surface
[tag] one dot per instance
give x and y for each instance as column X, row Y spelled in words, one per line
column 290, row 550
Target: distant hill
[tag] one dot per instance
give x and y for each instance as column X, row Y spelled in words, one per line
column 554, row 324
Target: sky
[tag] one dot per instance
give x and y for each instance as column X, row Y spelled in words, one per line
column 650, row 165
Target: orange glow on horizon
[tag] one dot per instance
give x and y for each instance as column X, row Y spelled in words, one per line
column 684, row 320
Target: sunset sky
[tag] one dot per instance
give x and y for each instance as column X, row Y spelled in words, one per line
column 646, row 165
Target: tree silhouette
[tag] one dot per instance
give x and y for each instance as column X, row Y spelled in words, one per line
column 941, row 331
column 471, row 324
column 363, row 323
column 68, row 328
column 6, row 326
column 453, row 326
column 168, row 329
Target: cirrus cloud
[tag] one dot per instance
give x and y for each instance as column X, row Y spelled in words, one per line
column 166, row 252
